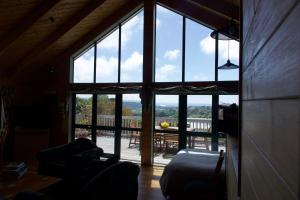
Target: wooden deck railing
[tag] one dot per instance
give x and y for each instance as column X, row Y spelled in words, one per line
column 199, row 124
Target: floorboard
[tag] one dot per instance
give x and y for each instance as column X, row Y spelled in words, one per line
column 149, row 188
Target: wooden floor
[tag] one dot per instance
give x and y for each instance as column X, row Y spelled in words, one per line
column 149, row 188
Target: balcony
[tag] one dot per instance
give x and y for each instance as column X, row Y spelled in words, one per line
column 164, row 147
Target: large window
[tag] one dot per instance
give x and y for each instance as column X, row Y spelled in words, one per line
column 115, row 58
column 186, row 87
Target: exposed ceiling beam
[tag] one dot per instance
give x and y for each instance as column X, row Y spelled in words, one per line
column 220, row 7
column 197, row 13
column 25, row 23
column 36, row 50
column 109, row 22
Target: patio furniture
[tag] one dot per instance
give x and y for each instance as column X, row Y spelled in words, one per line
column 134, row 135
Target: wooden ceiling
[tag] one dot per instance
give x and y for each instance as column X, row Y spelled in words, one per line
column 36, row 33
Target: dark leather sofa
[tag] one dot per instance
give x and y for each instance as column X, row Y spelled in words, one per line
column 118, row 181
column 76, row 160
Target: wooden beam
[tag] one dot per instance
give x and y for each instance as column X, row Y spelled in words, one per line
column 101, row 29
column 147, row 94
column 36, row 50
column 219, row 7
column 197, row 13
column 25, row 23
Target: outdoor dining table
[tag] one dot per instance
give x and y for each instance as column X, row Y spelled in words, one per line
column 160, row 135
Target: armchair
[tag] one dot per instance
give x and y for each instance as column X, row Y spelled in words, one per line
column 118, row 181
column 59, row 161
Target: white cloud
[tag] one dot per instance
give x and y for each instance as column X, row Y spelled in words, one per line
column 134, row 24
column 83, row 69
column 111, row 41
column 163, row 73
column 172, row 54
column 207, row 45
column 134, row 62
column 106, row 68
column 158, row 23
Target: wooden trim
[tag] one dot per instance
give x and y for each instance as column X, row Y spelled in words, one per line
column 25, row 23
column 221, row 8
column 199, row 14
column 147, row 95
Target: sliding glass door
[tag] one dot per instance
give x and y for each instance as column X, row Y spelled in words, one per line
column 112, row 121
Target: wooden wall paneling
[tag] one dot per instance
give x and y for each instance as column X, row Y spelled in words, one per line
column 247, row 186
column 275, row 71
column 274, row 126
column 267, row 17
column 248, row 14
column 232, row 167
column 263, row 179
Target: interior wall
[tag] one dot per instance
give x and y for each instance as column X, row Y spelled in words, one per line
column 271, row 100
column 45, row 88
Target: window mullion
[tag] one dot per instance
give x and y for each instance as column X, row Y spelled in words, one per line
column 95, row 60
column 183, row 48
column 119, row 54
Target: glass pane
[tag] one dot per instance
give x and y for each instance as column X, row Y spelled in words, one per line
column 84, row 67
column 131, row 111
column 106, row 140
column 228, row 99
column 199, row 112
column 132, row 49
column 168, row 61
column 166, row 112
column 228, row 117
column 199, row 53
column 83, row 109
column 83, row 133
column 130, row 145
column 197, row 142
column 106, row 110
column 131, row 118
column 233, row 55
column 107, row 59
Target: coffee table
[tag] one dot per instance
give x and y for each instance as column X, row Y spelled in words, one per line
column 31, row 181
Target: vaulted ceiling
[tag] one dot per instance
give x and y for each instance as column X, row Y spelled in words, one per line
column 37, row 33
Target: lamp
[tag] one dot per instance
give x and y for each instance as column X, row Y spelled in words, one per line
column 228, row 64
column 227, row 33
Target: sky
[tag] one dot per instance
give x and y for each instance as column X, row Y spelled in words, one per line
column 199, row 55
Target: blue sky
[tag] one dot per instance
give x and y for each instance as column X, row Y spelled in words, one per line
column 199, row 56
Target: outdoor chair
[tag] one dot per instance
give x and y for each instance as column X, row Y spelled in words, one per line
column 170, row 141
column 134, row 135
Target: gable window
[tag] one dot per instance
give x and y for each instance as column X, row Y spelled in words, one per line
column 116, row 58
column 185, row 88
